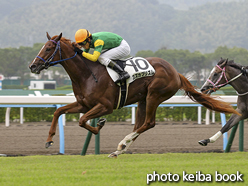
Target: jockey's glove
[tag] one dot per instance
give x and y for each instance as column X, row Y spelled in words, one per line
column 79, row 51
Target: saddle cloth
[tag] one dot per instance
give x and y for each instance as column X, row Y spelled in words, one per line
column 137, row 67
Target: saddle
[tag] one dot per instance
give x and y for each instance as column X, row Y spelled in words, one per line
column 137, row 67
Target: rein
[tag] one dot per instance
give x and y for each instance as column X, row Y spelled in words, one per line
column 216, row 86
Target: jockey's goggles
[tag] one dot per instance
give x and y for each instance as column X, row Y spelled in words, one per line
column 83, row 43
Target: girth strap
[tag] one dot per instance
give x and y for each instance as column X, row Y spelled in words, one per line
column 122, row 95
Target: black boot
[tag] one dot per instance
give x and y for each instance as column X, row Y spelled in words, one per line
column 123, row 74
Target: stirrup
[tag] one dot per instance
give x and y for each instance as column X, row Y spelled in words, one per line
column 122, row 77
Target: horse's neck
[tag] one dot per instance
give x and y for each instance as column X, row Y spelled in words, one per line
column 241, row 83
column 76, row 68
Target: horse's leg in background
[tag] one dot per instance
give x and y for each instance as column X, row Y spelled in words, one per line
column 159, row 90
column 97, row 111
column 234, row 120
column 70, row 108
column 129, row 139
column 140, row 115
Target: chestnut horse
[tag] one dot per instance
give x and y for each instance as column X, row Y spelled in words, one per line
column 97, row 95
column 224, row 73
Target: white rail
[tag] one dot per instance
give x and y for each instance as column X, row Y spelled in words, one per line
column 69, row 99
column 36, row 100
column 14, row 101
column 33, row 101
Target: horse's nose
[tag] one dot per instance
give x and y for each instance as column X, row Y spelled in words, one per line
column 206, row 89
column 32, row 68
column 203, row 89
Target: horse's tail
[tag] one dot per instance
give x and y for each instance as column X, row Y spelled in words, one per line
column 204, row 99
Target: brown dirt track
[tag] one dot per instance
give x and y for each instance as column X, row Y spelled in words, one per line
column 30, row 138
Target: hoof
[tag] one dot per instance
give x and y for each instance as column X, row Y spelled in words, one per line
column 113, row 155
column 101, row 122
column 49, row 144
column 204, row 142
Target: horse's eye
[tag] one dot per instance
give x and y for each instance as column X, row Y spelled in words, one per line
column 215, row 74
column 48, row 49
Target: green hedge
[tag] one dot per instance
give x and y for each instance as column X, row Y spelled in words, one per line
column 15, row 87
column 162, row 114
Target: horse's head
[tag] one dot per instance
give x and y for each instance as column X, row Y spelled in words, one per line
column 216, row 79
column 47, row 54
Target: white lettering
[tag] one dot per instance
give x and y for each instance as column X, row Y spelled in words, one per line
column 149, row 178
column 203, row 177
column 197, row 177
column 175, row 177
column 163, row 177
column 185, row 176
column 226, row 177
column 239, row 176
column 208, row 177
column 218, row 177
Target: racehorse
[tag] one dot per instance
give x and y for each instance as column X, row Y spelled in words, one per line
column 228, row 72
column 97, row 94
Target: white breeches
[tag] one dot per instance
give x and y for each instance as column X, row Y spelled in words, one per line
column 122, row 51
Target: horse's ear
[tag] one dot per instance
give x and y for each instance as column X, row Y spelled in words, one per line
column 224, row 63
column 59, row 37
column 48, row 36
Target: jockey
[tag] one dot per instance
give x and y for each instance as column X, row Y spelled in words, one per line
column 107, row 47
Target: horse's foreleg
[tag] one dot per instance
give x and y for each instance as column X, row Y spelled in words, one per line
column 97, row 111
column 234, row 120
column 70, row 108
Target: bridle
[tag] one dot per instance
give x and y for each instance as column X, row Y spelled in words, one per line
column 216, row 86
column 49, row 62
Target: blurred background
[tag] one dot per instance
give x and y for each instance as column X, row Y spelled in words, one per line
column 191, row 35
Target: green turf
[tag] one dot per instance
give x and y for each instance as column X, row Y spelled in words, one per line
column 130, row 169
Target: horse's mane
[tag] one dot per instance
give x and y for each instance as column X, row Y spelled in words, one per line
column 67, row 41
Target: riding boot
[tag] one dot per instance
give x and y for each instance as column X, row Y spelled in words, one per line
column 123, row 74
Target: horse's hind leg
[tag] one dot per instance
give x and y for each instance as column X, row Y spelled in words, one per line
column 129, row 139
column 155, row 96
column 234, row 120
column 146, row 110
